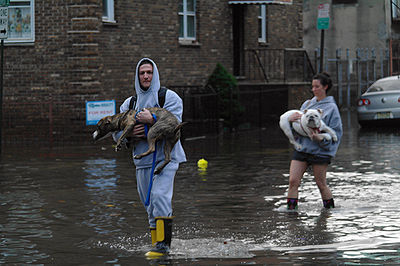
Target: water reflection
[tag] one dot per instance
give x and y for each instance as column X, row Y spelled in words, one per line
column 101, row 173
column 80, row 204
column 22, row 222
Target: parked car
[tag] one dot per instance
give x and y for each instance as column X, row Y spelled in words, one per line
column 380, row 104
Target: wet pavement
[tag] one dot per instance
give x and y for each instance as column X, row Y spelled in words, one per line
column 79, row 205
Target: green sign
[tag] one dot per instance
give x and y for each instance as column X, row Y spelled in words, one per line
column 4, row 2
column 322, row 23
column 323, row 17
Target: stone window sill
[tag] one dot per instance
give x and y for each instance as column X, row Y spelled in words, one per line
column 189, row 43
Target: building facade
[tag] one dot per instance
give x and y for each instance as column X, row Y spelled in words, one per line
column 361, row 44
column 60, row 54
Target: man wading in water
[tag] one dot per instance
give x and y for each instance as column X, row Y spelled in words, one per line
column 159, row 207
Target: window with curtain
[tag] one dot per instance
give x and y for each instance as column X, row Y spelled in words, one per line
column 108, row 11
column 262, row 24
column 21, row 21
column 187, row 20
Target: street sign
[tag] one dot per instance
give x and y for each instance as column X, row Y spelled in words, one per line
column 323, row 17
column 4, row 2
column 3, row 22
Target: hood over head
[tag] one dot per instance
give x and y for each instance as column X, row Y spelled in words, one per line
column 147, row 98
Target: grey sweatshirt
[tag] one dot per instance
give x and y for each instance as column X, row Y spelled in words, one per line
column 331, row 117
column 147, row 99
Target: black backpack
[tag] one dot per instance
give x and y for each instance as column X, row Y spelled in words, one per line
column 161, row 98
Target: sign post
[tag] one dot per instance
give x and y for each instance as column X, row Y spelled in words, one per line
column 3, row 35
column 322, row 24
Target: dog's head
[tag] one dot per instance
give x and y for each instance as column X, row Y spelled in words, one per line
column 104, row 128
column 313, row 117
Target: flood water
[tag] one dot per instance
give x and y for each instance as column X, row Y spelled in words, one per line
column 79, row 205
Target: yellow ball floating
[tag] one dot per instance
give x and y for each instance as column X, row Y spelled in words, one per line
column 203, row 164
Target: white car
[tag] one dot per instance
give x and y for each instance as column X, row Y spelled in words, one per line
column 380, row 104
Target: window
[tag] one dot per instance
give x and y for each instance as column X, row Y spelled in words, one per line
column 262, row 24
column 187, row 20
column 21, row 21
column 396, row 9
column 108, row 11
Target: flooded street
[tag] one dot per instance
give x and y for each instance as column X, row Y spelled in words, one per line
column 79, row 205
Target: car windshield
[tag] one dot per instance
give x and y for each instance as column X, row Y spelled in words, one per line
column 385, row 85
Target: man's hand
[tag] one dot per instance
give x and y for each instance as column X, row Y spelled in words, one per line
column 138, row 131
column 145, row 117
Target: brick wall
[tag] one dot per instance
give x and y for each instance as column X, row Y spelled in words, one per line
column 77, row 58
column 284, row 26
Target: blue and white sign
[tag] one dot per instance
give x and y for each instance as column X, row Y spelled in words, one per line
column 97, row 110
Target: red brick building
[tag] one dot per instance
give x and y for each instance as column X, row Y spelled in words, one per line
column 62, row 53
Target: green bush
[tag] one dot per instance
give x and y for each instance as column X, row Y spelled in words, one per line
column 226, row 88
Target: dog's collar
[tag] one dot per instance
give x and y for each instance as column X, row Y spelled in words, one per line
column 302, row 128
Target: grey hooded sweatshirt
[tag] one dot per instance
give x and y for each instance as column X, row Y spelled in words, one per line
column 147, row 99
column 331, row 117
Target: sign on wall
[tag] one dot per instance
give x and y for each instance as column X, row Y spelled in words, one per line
column 3, row 22
column 97, row 110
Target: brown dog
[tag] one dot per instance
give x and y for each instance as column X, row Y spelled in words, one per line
column 167, row 127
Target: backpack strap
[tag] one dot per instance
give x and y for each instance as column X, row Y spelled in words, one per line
column 161, row 98
column 132, row 102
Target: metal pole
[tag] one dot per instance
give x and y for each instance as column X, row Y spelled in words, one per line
column 373, row 65
column 51, row 121
column 1, row 92
column 382, row 62
column 349, row 65
column 359, row 79
column 317, row 60
column 339, row 75
column 367, row 66
column 388, row 58
column 322, row 51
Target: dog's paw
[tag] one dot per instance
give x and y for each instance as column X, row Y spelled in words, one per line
column 334, row 137
column 137, row 157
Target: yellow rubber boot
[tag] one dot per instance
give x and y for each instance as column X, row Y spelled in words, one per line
column 153, row 236
column 163, row 235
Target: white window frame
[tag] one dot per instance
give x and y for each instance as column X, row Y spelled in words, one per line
column 14, row 4
column 110, row 12
column 262, row 17
column 185, row 15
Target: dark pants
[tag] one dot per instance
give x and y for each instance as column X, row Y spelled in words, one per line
column 310, row 158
